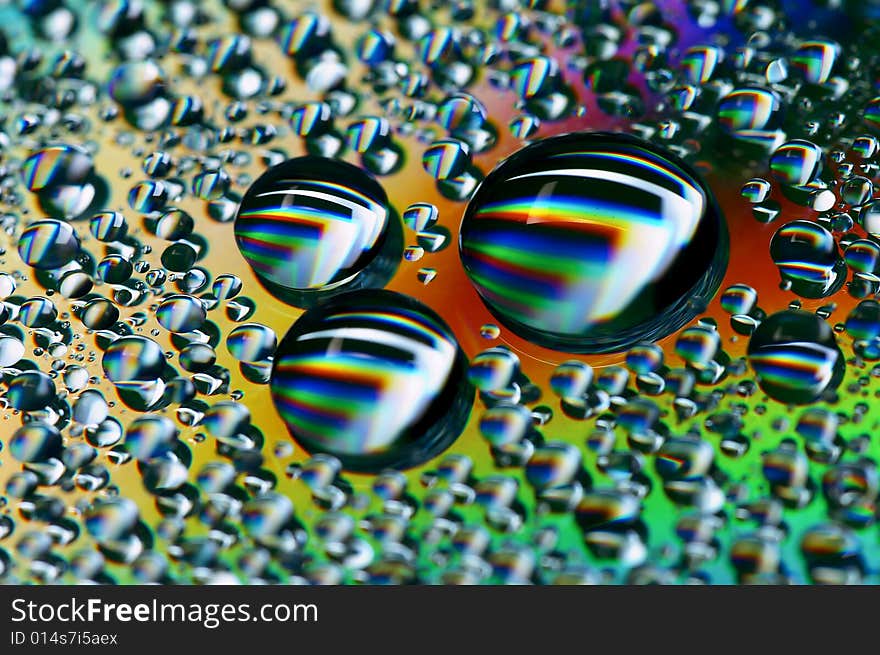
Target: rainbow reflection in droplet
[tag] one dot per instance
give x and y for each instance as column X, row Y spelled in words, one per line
column 311, row 223
column 590, row 242
column 795, row 356
column 373, row 378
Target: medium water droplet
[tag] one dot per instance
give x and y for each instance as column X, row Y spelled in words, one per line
column 313, row 224
column 796, row 357
column 373, row 378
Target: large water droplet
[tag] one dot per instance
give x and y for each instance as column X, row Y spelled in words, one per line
column 591, row 242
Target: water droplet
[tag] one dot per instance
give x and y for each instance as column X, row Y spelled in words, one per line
column 420, row 216
column 30, row 391
column 265, row 515
column 869, row 218
column 752, row 115
column 807, row 256
column 107, row 226
column 48, row 244
column 63, row 179
column 571, row 379
column 856, row 191
column 815, row 60
column 210, row 185
column 863, row 321
column 644, row 358
column 505, row 424
column 756, row 190
column 226, row 286
column 493, row 369
column 99, row 314
column 699, row 63
column 136, row 83
column 445, row 159
column 797, row 163
column 739, row 299
column 605, row 508
column 373, row 378
column 553, row 465
column 313, row 224
column 150, row 436
column 796, row 357
column 90, row 408
column 181, row 313
column 862, row 256
column 11, row 351
column 251, row 342
column 592, row 242
column 698, row 346
column 35, row 442
column 110, row 519
column 174, row 224
column 133, row 359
